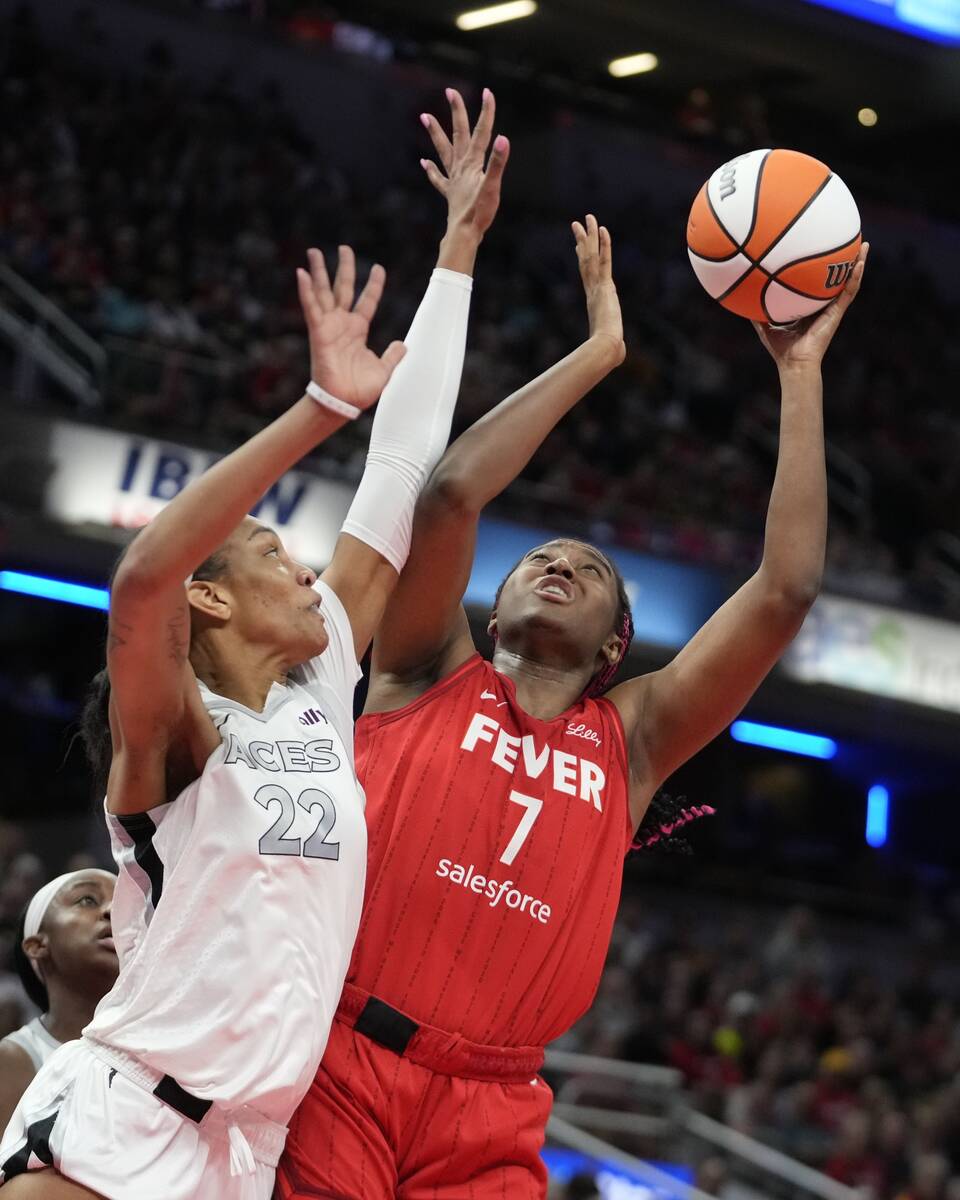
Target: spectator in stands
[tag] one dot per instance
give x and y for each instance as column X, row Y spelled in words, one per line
column 853, row 1162
column 796, row 948
column 929, row 1178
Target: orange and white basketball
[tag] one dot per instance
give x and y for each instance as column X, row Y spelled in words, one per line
column 773, row 235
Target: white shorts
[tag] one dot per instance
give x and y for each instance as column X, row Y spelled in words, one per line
column 107, row 1131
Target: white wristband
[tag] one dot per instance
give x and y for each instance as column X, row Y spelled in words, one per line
column 340, row 407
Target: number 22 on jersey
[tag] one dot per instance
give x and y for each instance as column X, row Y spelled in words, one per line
column 275, row 840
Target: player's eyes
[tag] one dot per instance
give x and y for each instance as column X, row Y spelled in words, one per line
column 539, row 555
column 88, row 898
column 591, row 567
column 273, row 550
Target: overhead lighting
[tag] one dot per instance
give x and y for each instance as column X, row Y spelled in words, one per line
column 868, row 117
column 479, row 18
column 878, row 815
column 54, row 589
column 633, row 64
column 776, row 738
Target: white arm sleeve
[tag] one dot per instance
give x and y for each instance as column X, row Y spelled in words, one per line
column 413, row 419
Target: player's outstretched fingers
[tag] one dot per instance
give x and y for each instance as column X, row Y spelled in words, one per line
column 833, row 314
column 460, row 120
column 497, row 163
column 312, row 312
column 435, row 175
column 369, row 298
column 856, row 275
column 484, row 127
column 587, row 256
column 392, row 355
column 441, row 143
column 345, row 282
column 320, row 280
column 606, row 252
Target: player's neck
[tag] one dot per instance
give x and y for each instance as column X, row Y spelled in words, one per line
column 543, row 690
column 69, row 1012
column 237, row 670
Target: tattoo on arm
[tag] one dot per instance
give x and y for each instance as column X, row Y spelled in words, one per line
column 178, row 637
column 118, row 633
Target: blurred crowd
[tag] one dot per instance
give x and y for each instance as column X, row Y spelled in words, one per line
column 838, row 1044
column 168, row 223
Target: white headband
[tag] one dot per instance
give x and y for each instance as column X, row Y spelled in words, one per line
column 37, row 909
column 38, row 906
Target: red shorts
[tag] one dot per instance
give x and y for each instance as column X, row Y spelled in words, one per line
column 442, row 1120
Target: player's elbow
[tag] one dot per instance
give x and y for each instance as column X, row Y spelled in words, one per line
column 789, row 599
column 450, row 491
column 799, row 595
column 135, row 575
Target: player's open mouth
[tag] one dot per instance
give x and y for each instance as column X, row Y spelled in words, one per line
column 554, row 588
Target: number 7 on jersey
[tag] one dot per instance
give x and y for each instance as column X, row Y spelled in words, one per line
column 532, row 806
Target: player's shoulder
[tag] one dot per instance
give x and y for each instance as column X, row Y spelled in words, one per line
column 629, row 699
column 391, row 698
column 16, row 1062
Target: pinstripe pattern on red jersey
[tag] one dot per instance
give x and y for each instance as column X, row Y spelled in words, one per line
column 513, row 967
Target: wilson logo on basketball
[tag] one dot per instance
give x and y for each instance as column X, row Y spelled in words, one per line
column 728, row 178
column 838, row 273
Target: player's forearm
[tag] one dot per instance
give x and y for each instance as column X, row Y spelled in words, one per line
column 197, row 521
column 412, row 425
column 490, row 455
column 796, row 530
column 458, row 248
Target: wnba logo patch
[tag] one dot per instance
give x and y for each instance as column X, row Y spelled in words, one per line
column 312, row 716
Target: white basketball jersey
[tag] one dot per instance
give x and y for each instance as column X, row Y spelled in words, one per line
column 34, row 1040
column 237, row 904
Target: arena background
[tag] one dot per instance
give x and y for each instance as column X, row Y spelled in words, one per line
column 779, row 1016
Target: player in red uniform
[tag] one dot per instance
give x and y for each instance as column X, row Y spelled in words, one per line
column 501, row 798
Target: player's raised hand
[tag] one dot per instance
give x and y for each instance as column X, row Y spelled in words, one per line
column 470, row 183
column 341, row 362
column 806, row 343
column 595, row 259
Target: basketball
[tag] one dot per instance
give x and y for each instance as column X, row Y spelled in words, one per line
column 773, row 235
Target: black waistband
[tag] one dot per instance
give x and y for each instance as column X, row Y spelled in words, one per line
column 192, row 1107
column 385, row 1025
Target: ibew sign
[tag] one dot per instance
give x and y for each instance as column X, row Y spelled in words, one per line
column 107, row 477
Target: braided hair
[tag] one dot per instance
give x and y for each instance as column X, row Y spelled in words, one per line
column 666, row 814
column 663, row 818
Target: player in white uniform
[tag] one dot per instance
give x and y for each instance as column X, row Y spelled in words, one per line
column 234, row 809
column 65, row 957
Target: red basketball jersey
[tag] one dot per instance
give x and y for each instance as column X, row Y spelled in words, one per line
column 496, row 846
